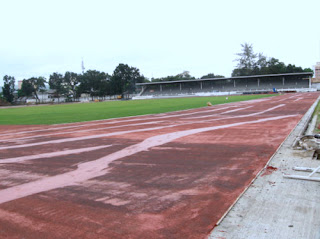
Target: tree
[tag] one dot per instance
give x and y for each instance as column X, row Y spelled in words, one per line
column 307, row 70
column 2, row 99
column 56, row 82
column 71, row 81
column 182, row 76
column 248, row 65
column 261, row 65
column 95, row 83
column 26, row 89
column 211, row 75
column 246, row 61
column 38, row 83
column 124, row 79
column 8, row 88
column 276, row 67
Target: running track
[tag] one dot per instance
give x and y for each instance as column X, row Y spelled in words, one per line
column 169, row 175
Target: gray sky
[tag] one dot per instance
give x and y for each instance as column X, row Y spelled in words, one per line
column 167, row 37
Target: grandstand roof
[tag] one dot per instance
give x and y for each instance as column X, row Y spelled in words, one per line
column 228, row 78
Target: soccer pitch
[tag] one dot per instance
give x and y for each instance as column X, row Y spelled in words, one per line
column 78, row 112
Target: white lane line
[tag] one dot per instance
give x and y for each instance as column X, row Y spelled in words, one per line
column 67, row 127
column 198, row 112
column 114, row 122
column 52, row 154
column 255, row 101
column 206, row 116
column 78, row 131
column 230, row 111
column 130, row 131
column 288, row 98
column 131, row 118
column 99, row 167
column 298, row 99
column 57, row 141
column 241, row 116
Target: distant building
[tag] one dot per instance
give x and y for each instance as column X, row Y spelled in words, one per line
column 19, row 84
column 317, row 71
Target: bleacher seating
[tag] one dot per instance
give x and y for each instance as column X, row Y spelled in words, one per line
column 263, row 84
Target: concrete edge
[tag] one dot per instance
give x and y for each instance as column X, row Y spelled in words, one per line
column 305, row 120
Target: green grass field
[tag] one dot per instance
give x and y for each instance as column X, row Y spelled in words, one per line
column 67, row 113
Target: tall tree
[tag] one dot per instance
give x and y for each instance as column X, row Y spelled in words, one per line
column 246, row 60
column 124, row 79
column 250, row 63
column 276, row 67
column 94, row 83
column 184, row 76
column 56, row 82
column 71, row 81
column 8, row 88
column 26, row 89
column 37, row 83
column 261, row 65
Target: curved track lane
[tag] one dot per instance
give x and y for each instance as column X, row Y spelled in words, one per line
column 170, row 175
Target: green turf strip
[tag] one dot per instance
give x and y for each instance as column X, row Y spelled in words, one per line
column 77, row 112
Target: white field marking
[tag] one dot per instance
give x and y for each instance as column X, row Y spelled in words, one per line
column 77, row 131
column 254, row 101
column 298, row 99
column 99, row 167
column 57, row 141
column 241, row 116
column 229, row 111
column 132, row 118
column 52, row 154
column 295, row 95
column 115, row 122
column 287, row 98
column 252, row 114
column 283, row 99
column 69, row 127
column 131, row 131
column 192, row 113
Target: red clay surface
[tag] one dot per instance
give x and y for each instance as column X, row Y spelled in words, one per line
column 169, row 175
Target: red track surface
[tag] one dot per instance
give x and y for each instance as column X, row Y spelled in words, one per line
column 169, row 175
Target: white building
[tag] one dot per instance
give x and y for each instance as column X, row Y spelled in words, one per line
column 317, row 71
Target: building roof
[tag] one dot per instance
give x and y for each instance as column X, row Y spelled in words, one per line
column 228, row 78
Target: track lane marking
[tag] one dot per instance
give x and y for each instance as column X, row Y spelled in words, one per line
column 130, row 131
column 79, row 131
column 240, row 116
column 139, row 118
column 99, row 167
column 52, row 154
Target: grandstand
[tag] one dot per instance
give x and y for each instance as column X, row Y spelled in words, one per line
column 234, row 85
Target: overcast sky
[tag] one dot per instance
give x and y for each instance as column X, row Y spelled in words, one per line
column 161, row 38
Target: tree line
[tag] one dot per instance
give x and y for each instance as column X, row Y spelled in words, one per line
column 184, row 76
column 124, row 78
column 250, row 63
column 71, row 85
